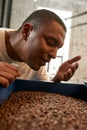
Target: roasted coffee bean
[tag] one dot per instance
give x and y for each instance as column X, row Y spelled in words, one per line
column 42, row 111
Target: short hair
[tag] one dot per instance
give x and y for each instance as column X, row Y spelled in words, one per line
column 39, row 17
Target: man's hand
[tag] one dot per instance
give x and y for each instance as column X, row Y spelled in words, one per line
column 8, row 73
column 67, row 69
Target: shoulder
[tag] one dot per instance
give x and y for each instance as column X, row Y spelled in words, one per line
column 6, row 29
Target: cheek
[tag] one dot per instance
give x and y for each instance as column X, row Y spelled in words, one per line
column 38, row 46
column 43, row 46
column 34, row 51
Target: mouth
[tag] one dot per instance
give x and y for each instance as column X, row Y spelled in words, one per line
column 44, row 61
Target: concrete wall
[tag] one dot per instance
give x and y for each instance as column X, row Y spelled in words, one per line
column 78, row 45
column 78, row 40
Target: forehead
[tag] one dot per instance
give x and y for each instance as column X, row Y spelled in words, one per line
column 53, row 29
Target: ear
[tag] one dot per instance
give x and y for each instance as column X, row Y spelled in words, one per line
column 26, row 29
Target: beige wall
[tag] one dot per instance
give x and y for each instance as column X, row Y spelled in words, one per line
column 78, row 40
column 78, row 45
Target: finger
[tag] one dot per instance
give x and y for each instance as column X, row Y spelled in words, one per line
column 12, row 67
column 77, row 58
column 8, row 76
column 71, row 71
column 6, row 72
column 74, row 66
column 65, row 77
column 4, row 81
column 9, row 70
column 9, row 66
column 68, row 75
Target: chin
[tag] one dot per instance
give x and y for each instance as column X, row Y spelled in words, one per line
column 36, row 68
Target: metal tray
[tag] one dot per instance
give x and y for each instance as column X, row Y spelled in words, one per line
column 68, row 89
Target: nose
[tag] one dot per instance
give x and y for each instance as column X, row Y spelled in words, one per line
column 53, row 52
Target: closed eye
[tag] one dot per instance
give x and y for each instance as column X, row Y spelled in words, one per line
column 52, row 42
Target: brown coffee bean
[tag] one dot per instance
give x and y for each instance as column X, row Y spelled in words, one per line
column 42, row 111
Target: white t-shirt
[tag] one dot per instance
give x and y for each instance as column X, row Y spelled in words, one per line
column 25, row 71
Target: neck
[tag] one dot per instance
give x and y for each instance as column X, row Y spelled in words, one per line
column 9, row 48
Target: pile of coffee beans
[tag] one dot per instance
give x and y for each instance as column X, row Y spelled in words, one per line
column 42, row 111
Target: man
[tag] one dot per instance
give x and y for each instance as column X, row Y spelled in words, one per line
column 25, row 52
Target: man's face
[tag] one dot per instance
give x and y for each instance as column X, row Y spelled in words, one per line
column 43, row 45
